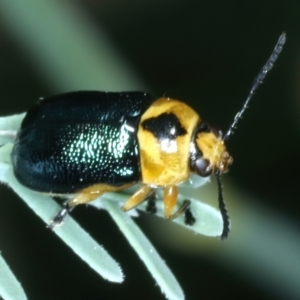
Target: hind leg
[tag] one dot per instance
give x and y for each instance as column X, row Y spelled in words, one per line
column 84, row 196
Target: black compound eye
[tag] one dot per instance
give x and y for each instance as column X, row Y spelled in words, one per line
column 203, row 127
column 203, row 167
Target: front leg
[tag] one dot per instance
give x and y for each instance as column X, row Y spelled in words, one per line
column 170, row 201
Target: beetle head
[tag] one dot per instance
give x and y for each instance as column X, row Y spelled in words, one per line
column 208, row 153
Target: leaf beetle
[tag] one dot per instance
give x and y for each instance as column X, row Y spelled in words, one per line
column 88, row 143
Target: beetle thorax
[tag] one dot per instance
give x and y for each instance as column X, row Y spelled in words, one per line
column 164, row 137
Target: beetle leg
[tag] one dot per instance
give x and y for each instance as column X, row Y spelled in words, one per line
column 189, row 218
column 184, row 208
column 84, row 198
column 137, row 198
column 151, row 203
column 170, row 200
column 61, row 215
column 93, row 192
column 59, row 218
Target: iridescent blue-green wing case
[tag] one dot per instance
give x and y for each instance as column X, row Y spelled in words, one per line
column 71, row 141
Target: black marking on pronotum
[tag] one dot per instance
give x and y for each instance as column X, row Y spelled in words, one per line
column 164, row 126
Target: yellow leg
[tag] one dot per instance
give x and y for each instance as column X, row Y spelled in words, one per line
column 92, row 192
column 84, row 196
column 182, row 209
column 170, row 200
column 137, row 198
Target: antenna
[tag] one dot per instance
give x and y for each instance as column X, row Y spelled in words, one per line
column 222, row 207
column 257, row 82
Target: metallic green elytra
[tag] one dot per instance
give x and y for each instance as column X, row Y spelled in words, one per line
column 71, row 141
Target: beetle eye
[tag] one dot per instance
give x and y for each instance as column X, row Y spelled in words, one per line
column 203, row 167
column 203, row 127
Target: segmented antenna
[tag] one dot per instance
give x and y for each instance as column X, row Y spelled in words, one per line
column 222, row 207
column 257, row 82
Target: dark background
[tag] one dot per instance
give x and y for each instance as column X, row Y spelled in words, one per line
column 207, row 54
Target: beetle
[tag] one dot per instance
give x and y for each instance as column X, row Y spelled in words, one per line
column 84, row 144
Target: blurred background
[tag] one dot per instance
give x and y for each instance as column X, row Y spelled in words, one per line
column 206, row 53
